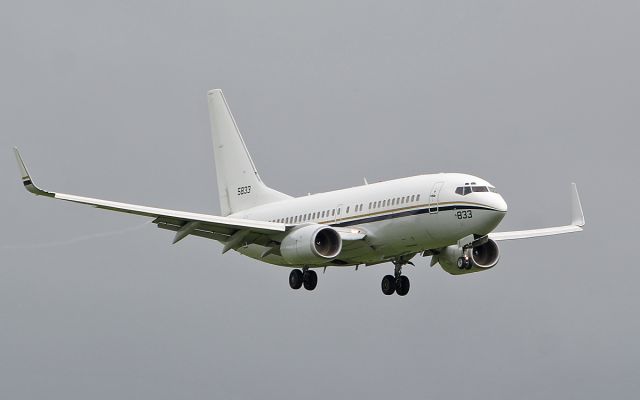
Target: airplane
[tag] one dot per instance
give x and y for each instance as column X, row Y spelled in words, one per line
column 450, row 217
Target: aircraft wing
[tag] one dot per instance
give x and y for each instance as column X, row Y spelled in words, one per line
column 232, row 231
column 577, row 222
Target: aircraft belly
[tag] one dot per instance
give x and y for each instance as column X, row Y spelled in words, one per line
column 399, row 236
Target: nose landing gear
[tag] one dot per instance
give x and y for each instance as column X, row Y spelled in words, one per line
column 464, row 262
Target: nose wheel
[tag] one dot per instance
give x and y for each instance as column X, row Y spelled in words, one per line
column 464, row 263
column 396, row 283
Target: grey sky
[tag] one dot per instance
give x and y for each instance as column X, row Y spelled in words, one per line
column 109, row 100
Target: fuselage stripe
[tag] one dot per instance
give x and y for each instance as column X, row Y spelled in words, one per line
column 427, row 210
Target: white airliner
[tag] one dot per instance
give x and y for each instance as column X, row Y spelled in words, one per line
column 450, row 217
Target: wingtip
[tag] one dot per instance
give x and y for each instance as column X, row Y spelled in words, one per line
column 26, row 177
column 24, row 173
column 577, row 215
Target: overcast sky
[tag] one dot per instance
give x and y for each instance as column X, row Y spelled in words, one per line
column 109, row 100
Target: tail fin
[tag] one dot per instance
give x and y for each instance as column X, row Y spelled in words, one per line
column 239, row 185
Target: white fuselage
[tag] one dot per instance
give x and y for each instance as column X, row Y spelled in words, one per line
column 400, row 217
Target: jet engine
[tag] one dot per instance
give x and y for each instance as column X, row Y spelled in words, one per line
column 457, row 260
column 311, row 245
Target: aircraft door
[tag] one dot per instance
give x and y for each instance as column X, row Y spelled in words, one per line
column 434, row 198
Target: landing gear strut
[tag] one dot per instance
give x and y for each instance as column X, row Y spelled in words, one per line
column 397, row 282
column 298, row 278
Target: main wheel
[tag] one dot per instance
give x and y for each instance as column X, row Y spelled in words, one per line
column 402, row 285
column 295, row 279
column 310, row 279
column 388, row 285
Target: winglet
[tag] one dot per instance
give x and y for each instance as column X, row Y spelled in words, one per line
column 26, row 178
column 577, row 216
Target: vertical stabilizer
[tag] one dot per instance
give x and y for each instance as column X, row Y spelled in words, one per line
column 239, row 185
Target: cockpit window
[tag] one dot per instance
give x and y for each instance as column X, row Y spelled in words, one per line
column 465, row 190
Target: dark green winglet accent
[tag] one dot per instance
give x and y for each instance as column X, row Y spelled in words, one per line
column 26, row 178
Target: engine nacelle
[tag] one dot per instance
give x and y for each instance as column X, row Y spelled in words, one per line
column 482, row 258
column 311, row 245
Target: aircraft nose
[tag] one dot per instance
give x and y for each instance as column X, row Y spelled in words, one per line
column 500, row 204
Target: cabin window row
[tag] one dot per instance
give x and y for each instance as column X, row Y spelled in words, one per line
column 296, row 219
column 308, row 216
column 394, row 202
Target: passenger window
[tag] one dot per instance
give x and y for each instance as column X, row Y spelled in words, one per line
column 347, row 210
column 413, row 197
column 369, row 205
column 418, row 198
column 379, row 203
column 333, row 212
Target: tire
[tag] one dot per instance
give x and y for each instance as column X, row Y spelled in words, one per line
column 310, row 279
column 464, row 263
column 388, row 285
column 402, row 285
column 295, row 279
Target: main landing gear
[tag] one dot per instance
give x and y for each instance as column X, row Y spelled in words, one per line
column 306, row 277
column 397, row 282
